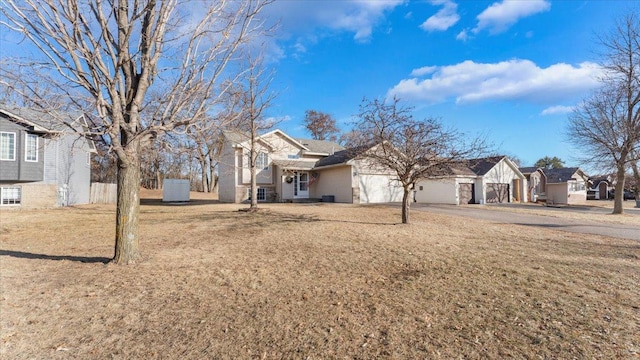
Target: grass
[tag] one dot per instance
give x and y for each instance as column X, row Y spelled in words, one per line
column 311, row 281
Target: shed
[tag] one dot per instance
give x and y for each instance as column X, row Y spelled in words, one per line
column 175, row 190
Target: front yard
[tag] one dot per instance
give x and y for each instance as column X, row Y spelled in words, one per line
column 311, row 281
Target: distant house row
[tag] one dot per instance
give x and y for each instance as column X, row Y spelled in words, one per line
column 43, row 163
column 295, row 169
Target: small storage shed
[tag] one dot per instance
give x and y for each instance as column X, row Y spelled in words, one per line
column 175, row 190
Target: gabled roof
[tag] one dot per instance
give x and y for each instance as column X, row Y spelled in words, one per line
column 560, row 175
column 482, row 166
column 309, row 145
column 528, row 169
column 41, row 121
column 339, row 157
column 321, row 146
column 457, row 170
column 342, row 156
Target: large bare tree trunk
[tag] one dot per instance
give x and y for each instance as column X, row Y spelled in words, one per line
column 128, row 207
column 618, row 207
column 406, row 202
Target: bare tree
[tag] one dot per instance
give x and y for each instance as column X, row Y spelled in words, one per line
column 255, row 98
column 410, row 149
column 606, row 126
column 116, row 52
column 103, row 164
column 321, row 125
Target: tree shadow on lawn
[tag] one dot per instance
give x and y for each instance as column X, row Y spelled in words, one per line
column 261, row 218
column 192, row 202
column 26, row 255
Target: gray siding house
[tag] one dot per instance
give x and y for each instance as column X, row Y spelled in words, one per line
column 43, row 161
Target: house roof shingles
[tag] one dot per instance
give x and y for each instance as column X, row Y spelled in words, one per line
column 559, row 175
column 51, row 121
column 483, row 165
column 339, row 157
column 528, row 169
column 320, row 146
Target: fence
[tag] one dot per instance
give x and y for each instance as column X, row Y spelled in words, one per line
column 102, row 193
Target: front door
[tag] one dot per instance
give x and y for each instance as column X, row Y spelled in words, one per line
column 301, row 185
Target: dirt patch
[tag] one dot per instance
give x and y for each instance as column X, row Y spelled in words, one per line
column 311, row 281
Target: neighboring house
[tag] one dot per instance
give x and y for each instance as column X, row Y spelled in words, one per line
column 599, row 188
column 536, row 182
column 298, row 169
column 493, row 179
column 565, row 186
column 557, row 186
column 43, row 162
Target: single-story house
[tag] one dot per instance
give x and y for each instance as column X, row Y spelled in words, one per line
column 291, row 169
column 493, row 179
column 566, row 186
column 557, row 186
column 43, row 161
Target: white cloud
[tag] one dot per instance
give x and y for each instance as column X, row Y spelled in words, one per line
column 463, row 35
column 557, row 110
column 514, row 79
column 423, row 70
column 355, row 16
column 444, row 18
column 501, row 15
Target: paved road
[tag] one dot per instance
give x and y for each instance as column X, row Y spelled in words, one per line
column 622, row 231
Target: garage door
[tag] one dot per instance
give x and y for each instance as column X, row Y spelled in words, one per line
column 379, row 189
column 465, row 194
column 497, row 193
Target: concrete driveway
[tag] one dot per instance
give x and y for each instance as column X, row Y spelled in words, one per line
column 622, row 231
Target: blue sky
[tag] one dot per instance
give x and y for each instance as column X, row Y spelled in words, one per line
column 511, row 70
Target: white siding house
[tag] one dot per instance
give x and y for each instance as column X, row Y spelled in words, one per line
column 479, row 181
column 302, row 169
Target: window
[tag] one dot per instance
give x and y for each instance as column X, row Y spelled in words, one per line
column 7, row 146
column 10, row 195
column 262, row 161
column 262, row 194
column 31, row 148
column 294, row 156
column 576, row 186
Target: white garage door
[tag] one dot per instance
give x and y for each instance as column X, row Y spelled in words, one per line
column 379, row 189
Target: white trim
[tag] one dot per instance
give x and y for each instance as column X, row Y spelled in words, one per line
column 14, row 145
column 296, row 142
column 35, row 126
column 3, row 190
column 26, row 147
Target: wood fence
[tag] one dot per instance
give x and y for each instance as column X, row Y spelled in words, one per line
column 102, row 193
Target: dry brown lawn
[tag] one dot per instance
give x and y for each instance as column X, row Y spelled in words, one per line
column 311, row 282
